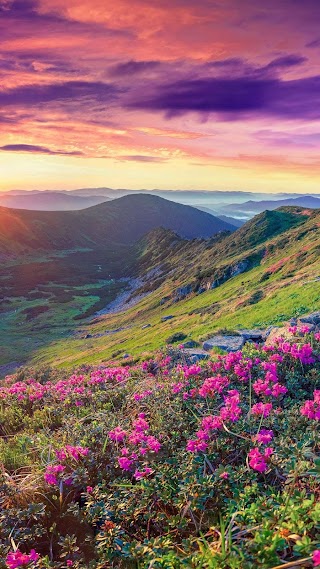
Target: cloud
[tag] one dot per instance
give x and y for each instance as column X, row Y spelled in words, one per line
column 37, row 149
column 133, row 68
column 235, row 97
column 37, row 94
column 285, row 62
column 313, row 44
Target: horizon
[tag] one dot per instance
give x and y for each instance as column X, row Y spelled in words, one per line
column 172, row 95
column 151, row 190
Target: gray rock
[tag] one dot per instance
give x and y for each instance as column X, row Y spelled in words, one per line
column 190, row 344
column 228, row 343
column 201, row 290
column 239, row 268
column 195, row 354
column 313, row 318
column 254, row 335
column 183, row 291
column 165, row 318
column 311, row 327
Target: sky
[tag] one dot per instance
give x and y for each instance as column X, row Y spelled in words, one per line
column 168, row 94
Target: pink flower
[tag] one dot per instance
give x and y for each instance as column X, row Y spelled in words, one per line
column 196, row 446
column 263, row 409
column 213, row 385
column 140, row 424
column 17, row 559
column 52, row 472
column 278, row 390
column 231, row 411
column 224, row 475
column 117, row 434
column 311, row 408
column 139, row 474
column 89, row 489
column 264, row 436
column 316, row 558
column 153, row 444
column 211, row 422
column 125, row 463
column 257, row 460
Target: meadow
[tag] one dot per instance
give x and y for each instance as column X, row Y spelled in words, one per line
column 165, row 463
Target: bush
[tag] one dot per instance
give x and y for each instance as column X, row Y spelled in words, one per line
column 165, row 464
column 177, row 337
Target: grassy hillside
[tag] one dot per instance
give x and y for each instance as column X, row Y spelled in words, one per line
column 263, row 274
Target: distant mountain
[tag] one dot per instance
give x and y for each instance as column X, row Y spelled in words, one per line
column 236, row 222
column 120, row 221
column 49, row 201
column 252, row 207
column 218, row 203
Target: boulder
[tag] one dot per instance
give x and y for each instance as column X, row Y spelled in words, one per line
column 254, row 335
column 190, row 344
column 195, row 355
column 165, row 318
column 227, row 343
column 164, row 300
column 313, row 318
column 239, row 268
column 278, row 332
column 183, row 291
column 201, row 290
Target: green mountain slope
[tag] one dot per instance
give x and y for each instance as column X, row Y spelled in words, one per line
column 264, row 273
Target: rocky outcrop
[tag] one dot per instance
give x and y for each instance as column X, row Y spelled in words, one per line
column 254, row 335
column 313, row 318
column 195, row 354
column 227, row 343
column 234, row 342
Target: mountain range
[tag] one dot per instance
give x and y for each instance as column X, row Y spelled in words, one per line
column 251, row 207
column 138, row 254
column 119, row 221
column 230, row 206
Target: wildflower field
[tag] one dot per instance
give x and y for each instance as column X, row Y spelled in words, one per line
column 165, row 464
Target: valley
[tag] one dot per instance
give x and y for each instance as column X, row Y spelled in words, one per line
column 54, row 308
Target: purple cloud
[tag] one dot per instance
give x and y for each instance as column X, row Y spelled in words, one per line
column 36, row 149
column 286, row 61
column 235, row 97
column 133, row 67
column 313, row 44
column 68, row 91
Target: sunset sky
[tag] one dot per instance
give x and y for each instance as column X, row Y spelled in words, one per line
column 188, row 94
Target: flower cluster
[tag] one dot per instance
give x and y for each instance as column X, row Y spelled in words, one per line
column 62, row 472
column 18, row 559
column 258, row 460
column 137, row 443
column 311, row 408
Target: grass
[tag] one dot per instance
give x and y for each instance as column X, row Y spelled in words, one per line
column 280, row 282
